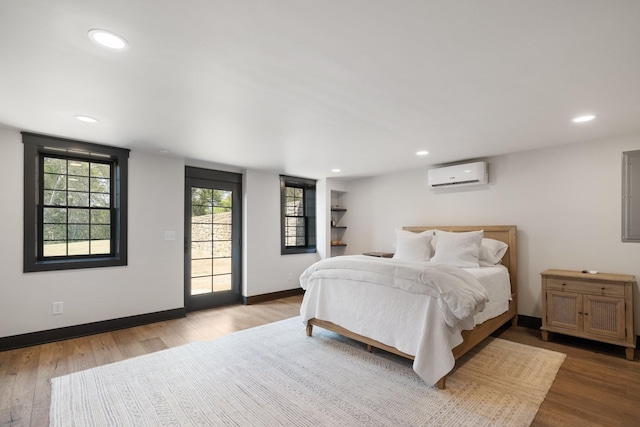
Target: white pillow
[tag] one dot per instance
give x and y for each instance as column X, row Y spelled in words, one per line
column 413, row 247
column 458, row 249
column 492, row 252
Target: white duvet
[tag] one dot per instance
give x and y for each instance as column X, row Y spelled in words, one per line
column 418, row 308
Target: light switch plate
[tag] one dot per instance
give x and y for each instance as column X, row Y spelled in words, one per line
column 57, row 307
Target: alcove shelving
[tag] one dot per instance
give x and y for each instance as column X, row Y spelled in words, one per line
column 338, row 226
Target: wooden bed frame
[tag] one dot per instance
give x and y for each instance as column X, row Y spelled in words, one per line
column 471, row 338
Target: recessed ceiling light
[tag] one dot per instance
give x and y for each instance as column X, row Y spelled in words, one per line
column 165, row 150
column 585, row 118
column 422, row 153
column 87, row 119
column 336, row 170
column 108, row 39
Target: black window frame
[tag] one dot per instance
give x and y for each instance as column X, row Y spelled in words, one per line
column 36, row 147
column 309, row 194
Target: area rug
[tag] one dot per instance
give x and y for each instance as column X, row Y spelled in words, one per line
column 274, row 375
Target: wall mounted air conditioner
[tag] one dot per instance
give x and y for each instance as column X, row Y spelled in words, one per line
column 475, row 173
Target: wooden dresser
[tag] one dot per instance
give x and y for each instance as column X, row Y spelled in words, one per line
column 594, row 306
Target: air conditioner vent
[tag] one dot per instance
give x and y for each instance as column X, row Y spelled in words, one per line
column 476, row 173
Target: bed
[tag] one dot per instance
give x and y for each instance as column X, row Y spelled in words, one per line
column 404, row 319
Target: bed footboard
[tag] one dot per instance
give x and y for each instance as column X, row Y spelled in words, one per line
column 471, row 338
column 370, row 343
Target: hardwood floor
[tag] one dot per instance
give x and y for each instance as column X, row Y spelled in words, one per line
column 595, row 385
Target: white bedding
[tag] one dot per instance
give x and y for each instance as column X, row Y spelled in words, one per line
column 495, row 279
column 418, row 308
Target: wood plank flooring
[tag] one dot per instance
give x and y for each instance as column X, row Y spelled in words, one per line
column 595, row 386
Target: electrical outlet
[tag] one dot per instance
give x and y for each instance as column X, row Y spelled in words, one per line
column 57, row 308
column 169, row 235
column 290, row 276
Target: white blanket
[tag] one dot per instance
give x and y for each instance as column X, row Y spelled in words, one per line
column 420, row 309
column 459, row 294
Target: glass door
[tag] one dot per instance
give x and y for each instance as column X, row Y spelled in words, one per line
column 212, row 236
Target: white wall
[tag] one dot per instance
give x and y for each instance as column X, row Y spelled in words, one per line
column 151, row 282
column 566, row 202
column 264, row 269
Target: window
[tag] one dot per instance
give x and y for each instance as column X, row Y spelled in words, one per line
column 298, row 211
column 75, row 204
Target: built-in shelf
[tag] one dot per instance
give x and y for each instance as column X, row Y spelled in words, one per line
column 338, row 228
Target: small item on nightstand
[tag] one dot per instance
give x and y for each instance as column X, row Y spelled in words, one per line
column 379, row 254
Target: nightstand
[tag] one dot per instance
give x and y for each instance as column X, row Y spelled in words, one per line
column 593, row 306
column 379, row 254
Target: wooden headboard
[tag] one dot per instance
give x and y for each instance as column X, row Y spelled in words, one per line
column 504, row 233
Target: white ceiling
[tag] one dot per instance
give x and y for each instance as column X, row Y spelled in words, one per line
column 302, row 86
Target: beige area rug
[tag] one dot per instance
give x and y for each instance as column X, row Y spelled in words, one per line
column 274, row 375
